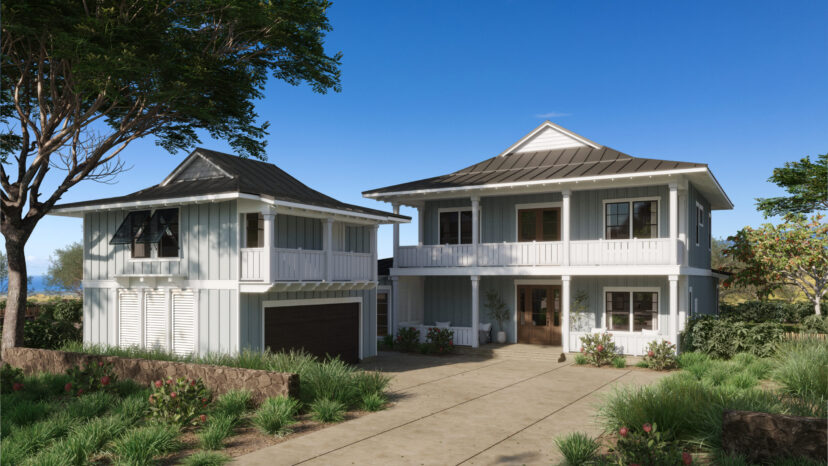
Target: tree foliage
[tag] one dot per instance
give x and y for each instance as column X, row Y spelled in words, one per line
column 81, row 80
column 66, row 268
column 792, row 253
column 806, row 183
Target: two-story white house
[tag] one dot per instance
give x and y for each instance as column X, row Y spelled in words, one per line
column 229, row 253
column 553, row 220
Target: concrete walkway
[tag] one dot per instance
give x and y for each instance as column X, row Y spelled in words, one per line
column 462, row 410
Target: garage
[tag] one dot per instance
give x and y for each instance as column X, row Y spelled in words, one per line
column 330, row 328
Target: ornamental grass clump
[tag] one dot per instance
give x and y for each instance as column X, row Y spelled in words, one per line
column 206, row 458
column 373, row 402
column 802, row 370
column 598, row 349
column 218, row 427
column 181, row 401
column 619, row 362
column 233, row 403
column 325, row 410
column 275, row 415
column 139, row 446
column 661, row 355
column 577, row 448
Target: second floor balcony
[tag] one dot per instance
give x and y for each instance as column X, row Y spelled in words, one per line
column 299, row 265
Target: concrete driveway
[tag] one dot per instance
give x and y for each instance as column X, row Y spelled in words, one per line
column 462, row 409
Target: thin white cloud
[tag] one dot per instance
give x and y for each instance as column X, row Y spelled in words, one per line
column 552, row 115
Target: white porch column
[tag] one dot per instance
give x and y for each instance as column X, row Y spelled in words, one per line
column 396, row 206
column 374, row 252
column 475, row 202
column 673, row 305
column 682, row 302
column 327, row 244
column 673, row 223
column 269, row 261
column 475, row 289
column 395, row 305
column 565, row 298
column 682, row 226
column 565, row 221
column 420, row 225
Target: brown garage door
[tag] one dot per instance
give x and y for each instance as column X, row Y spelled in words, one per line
column 326, row 329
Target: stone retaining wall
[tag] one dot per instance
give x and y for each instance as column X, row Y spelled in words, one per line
column 762, row 437
column 219, row 379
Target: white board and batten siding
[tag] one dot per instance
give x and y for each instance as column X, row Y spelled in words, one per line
column 548, row 139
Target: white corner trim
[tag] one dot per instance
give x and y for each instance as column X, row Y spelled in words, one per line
column 316, row 302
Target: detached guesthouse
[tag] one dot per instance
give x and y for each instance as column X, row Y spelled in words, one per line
column 229, row 253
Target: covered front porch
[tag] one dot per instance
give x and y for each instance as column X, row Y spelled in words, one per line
column 552, row 311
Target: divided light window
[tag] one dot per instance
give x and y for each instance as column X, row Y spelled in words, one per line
column 644, row 222
column 382, row 314
column 539, row 224
column 150, row 235
column 632, row 311
column 456, row 227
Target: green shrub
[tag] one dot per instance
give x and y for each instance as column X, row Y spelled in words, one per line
column 275, row 415
column 802, row 370
column 599, row 349
column 373, row 402
column 206, row 458
column 619, row 362
column 370, row 382
column 815, row 324
column 661, row 355
column 646, row 445
column 440, row 340
column 724, row 338
column 233, row 403
column 388, row 342
column 179, row 401
column 58, row 323
column 767, row 311
column 218, row 428
column 140, row 445
column 577, row 448
column 91, row 378
column 10, row 378
column 408, row 339
column 325, row 410
column 581, row 360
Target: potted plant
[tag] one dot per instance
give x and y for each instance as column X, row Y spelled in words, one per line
column 499, row 312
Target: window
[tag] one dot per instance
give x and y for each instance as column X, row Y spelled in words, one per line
column 709, row 230
column 632, row 311
column 254, row 230
column 699, row 222
column 644, row 222
column 150, row 235
column 456, row 227
column 539, row 224
column 382, row 314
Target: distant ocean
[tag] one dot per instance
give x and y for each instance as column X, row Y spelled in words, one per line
column 37, row 286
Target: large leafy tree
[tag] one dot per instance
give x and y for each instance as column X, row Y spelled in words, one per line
column 793, row 253
column 806, row 183
column 66, row 268
column 81, row 80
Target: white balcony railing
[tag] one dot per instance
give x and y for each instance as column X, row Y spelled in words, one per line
column 548, row 253
column 298, row 265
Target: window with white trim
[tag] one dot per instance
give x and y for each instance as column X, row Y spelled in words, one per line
column 150, row 236
column 455, row 226
column 699, row 222
column 710, row 230
column 631, row 219
column 631, row 311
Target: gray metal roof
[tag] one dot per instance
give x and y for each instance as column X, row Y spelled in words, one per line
column 558, row 164
column 246, row 176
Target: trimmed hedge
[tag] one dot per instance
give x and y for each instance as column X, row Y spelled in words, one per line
column 59, row 322
column 725, row 337
column 782, row 312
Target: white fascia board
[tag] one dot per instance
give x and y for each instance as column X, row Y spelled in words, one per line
column 584, row 271
column 331, row 211
column 79, row 211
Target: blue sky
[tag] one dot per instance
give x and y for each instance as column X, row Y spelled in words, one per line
column 431, row 87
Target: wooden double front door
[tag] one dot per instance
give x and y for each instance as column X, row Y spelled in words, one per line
column 539, row 314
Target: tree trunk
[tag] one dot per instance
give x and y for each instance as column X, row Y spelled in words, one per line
column 816, row 305
column 18, row 286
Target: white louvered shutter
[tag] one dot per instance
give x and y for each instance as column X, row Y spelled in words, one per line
column 129, row 318
column 183, row 320
column 155, row 320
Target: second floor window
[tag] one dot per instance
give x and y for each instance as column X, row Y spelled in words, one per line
column 539, row 224
column 699, row 222
column 253, row 230
column 150, row 234
column 456, row 227
column 631, row 219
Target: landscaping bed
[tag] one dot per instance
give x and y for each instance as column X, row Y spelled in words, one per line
column 89, row 416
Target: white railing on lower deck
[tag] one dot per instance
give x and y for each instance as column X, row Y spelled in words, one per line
column 620, row 252
column 462, row 335
column 355, row 266
column 252, row 260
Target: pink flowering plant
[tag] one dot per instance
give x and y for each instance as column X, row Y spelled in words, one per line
column 11, row 379
column 646, row 445
column 408, row 339
column 95, row 376
column 661, row 355
column 181, row 401
column 440, row 340
column 598, row 348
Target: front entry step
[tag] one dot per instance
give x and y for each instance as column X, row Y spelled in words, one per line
column 514, row 351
